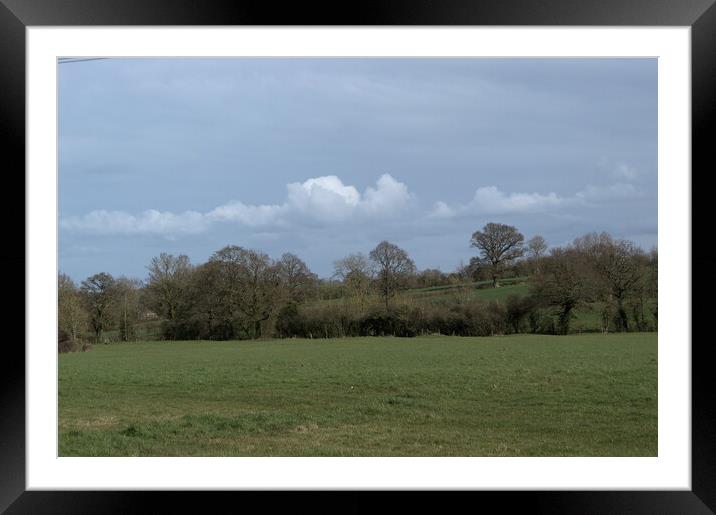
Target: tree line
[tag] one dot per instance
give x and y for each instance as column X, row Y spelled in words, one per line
column 241, row 293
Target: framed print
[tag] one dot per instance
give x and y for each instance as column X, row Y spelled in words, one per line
column 322, row 142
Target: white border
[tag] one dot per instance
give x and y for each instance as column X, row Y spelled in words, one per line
column 670, row 470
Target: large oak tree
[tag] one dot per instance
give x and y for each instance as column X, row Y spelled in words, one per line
column 499, row 245
column 393, row 269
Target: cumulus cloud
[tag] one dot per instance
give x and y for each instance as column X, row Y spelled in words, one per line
column 490, row 200
column 324, row 200
column 387, row 198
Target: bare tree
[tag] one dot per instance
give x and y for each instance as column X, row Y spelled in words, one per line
column 208, row 313
column 536, row 246
column 462, row 273
column 356, row 273
column 128, row 307
column 393, row 268
column 499, row 245
column 652, row 287
column 250, row 283
column 617, row 264
column 71, row 315
column 432, row 277
column 298, row 281
column 98, row 294
column 169, row 277
column 563, row 282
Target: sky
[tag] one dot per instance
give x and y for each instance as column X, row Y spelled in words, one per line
column 327, row 157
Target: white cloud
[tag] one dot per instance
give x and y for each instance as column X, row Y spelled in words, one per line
column 323, row 200
column 389, row 197
column 148, row 222
column 443, row 210
column 326, row 200
column 616, row 191
column 252, row 216
column 490, row 200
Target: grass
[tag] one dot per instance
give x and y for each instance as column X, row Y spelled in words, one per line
column 483, row 284
column 499, row 294
column 524, row 395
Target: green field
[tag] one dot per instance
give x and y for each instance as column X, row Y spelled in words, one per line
column 520, row 395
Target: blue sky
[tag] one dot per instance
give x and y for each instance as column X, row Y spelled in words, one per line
column 326, row 157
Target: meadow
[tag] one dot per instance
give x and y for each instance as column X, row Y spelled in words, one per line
column 518, row 395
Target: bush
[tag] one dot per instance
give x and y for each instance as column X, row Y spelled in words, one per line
column 289, row 322
column 65, row 343
column 405, row 318
column 541, row 321
column 333, row 321
column 402, row 322
column 517, row 310
column 321, row 321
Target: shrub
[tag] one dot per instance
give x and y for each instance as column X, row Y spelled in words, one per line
column 64, row 342
column 541, row 321
column 517, row 310
column 402, row 321
column 289, row 322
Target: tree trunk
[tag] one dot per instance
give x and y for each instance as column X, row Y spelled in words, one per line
column 622, row 316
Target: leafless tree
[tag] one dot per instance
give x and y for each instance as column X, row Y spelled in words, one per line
column 128, row 308
column 536, row 246
column 563, row 282
column 393, row 268
column 168, row 279
column 432, row 277
column 250, row 283
column 653, row 282
column 98, row 295
column 299, row 283
column 617, row 264
column 356, row 273
column 72, row 317
column 499, row 245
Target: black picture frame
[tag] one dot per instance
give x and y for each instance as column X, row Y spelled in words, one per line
column 16, row 15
